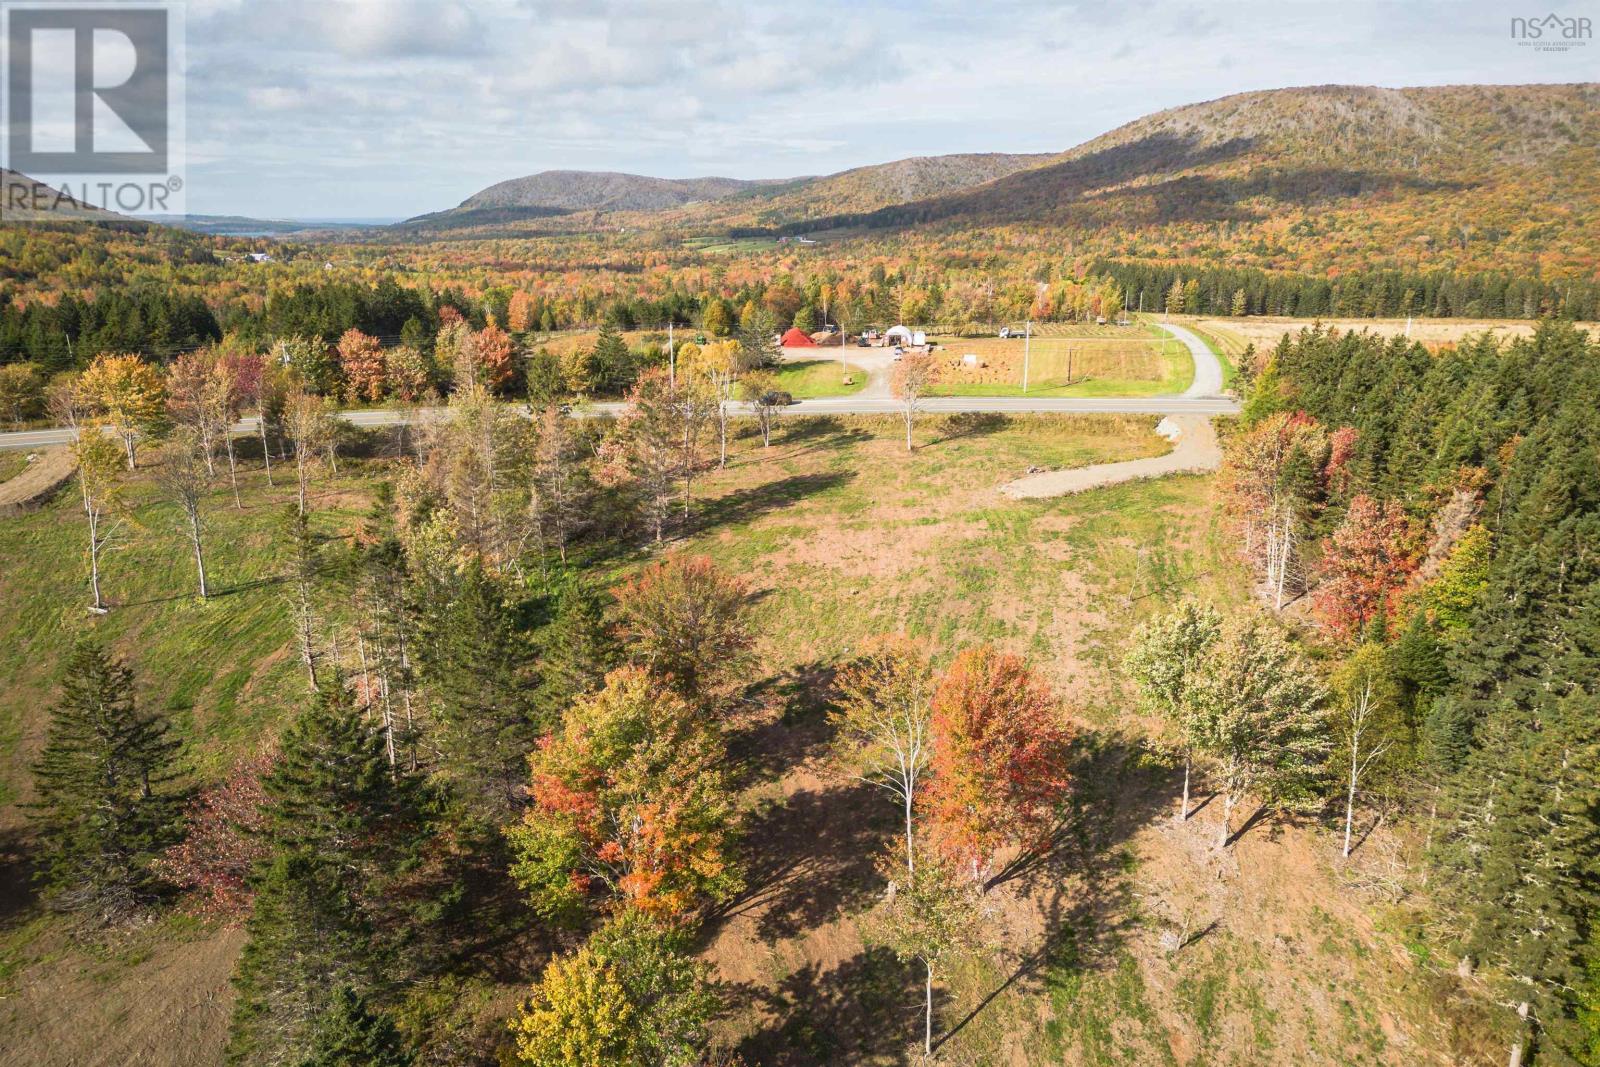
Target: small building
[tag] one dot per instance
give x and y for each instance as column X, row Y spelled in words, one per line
column 797, row 338
column 897, row 335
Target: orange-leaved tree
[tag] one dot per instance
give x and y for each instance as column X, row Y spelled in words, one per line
column 999, row 760
column 362, row 361
column 630, row 807
column 494, row 351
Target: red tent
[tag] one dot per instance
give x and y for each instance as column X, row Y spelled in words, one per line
column 797, row 338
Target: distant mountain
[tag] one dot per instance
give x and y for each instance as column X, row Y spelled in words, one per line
column 866, row 188
column 22, row 199
column 1464, row 174
column 681, row 201
column 1468, row 177
column 558, row 192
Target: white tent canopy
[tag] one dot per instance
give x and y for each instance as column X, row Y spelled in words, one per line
column 897, row 335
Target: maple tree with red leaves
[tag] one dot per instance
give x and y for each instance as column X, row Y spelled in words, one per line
column 225, row 841
column 1365, row 564
column 999, row 759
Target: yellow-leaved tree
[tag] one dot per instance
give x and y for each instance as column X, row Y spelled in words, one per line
column 129, row 395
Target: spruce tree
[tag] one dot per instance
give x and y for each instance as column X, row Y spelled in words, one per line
column 344, row 827
column 351, row 1034
column 106, row 798
column 477, row 665
column 579, row 649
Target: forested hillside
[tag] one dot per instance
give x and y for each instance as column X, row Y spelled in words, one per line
column 1471, row 177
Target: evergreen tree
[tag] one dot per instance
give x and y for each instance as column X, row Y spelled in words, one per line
column 579, row 649
column 477, row 664
column 106, row 804
column 344, row 827
column 350, row 1034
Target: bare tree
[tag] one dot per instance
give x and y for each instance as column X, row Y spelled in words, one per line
column 912, row 376
column 470, row 455
column 556, row 490
column 185, row 481
column 883, row 716
column 722, row 382
column 694, row 402
column 308, row 424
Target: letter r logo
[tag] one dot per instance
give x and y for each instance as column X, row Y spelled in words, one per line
column 87, row 90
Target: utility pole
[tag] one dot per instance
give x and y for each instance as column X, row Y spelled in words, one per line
column 1027, row 346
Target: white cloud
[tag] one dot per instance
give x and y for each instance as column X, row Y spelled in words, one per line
column 290, row 98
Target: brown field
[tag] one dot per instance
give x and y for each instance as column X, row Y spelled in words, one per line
column 1001, row 361
column 1264, row 331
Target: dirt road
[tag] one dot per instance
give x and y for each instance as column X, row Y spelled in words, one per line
column 1197, row 452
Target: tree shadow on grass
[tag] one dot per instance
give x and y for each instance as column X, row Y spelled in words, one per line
column 746, row 505
column 971, row 424
column 17, row 893
column 821, row 432
column 1082, row 868
column 810, row 857
column 866, row 1009
column 800, row 730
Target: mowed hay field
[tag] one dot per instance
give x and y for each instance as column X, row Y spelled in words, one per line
column 841, row 535
column 1265, row 331
column 1129, row 362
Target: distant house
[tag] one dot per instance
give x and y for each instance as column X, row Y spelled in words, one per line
column 797, row 338
column 261, row 257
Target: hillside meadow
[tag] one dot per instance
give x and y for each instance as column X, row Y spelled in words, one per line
column 1284, row 954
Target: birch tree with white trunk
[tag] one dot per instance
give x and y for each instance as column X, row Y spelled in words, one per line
column 883, row 715
column 1366, row 722
column 185, row 481
column 1167, row 652
column 1258, row 712
column 100, row 468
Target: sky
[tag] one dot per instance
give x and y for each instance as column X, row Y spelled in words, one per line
column 391, row 108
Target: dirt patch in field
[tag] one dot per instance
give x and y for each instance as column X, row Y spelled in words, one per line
column 171, row 1007
column 41, row 479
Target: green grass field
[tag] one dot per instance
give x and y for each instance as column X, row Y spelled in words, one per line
column 840, row 535
column 820, row 377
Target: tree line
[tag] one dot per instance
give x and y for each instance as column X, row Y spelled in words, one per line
column 1201, row 290
column 1441, row 512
